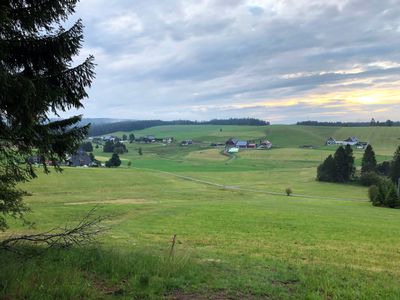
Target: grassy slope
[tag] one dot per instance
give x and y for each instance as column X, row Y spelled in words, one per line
column 235, row 242
column 384, row 139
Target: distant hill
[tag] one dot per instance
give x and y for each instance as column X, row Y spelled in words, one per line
column 373, row 123
column 98, row 121
column 105, row 128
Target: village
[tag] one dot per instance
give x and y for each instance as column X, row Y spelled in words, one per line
column 84, row 155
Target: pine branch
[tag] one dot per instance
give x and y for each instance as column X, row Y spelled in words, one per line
column 33, row 15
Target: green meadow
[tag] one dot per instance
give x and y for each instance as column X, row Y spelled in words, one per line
column 238, row 235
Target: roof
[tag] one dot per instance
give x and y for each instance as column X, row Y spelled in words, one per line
column 232, row 140
column 351, row 139
column 241, row 143
column 80, row 159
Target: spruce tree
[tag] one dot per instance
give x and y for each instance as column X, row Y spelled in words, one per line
column 350, row 170
column 327, row 170
column 369, row 163
column 395, row 167
column 37, row 80
column 341, row 165
column 391, row 199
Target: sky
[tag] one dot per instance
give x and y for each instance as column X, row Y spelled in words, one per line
column 277, row 60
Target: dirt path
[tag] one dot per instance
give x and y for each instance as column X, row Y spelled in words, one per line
column 244, row 189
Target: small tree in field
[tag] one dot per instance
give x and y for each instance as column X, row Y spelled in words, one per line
column 140, row 151
column 288, row 191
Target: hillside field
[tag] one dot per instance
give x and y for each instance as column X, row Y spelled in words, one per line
column 238, row 235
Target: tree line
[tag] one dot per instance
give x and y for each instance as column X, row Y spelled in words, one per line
column 100, row 129
column 387, row 123
column 382, row 179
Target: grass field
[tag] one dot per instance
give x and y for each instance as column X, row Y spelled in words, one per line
column 239, row 236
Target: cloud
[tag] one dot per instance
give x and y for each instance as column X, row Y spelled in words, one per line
column 221, row 58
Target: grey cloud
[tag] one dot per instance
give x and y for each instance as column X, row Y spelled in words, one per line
column 182, row 54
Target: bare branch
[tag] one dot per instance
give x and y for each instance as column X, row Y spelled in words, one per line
column 85, row 232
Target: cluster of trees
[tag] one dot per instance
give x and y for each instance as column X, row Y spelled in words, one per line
column 387, row 123
column 114, row 147
column 383, row 179
column 384, row 194
column 101, row 129
column 339, row 167
column 114, row 161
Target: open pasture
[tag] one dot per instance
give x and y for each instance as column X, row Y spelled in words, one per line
column 239, row 236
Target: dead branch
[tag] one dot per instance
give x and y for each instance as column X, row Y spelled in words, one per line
column 85, row 232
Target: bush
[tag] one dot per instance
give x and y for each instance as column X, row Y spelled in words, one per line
column 370, row 178
column 384, row 194
column 114, row 161
column 373, row 193
column 384, row 168
column 288, row 191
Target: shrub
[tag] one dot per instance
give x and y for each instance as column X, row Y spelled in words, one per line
column 114, row 161
column 373, row 193
column 384, row 194
column 369, row 178
column 384, row 168
column 288, row 191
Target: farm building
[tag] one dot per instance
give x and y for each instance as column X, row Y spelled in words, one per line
column 231, row 142
column 79, row 159
column 233, row 150
column 186, row 142
column 265, row 145
column 361, row 145
column 330, row 141
column 352, row 141
column 150, row 138
column 110, row 138
column 241, row 144
column 168, row 140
